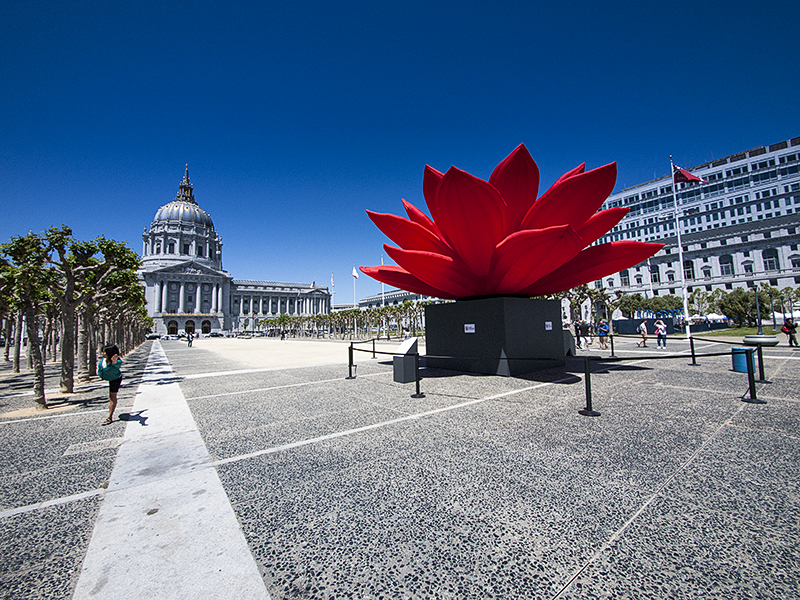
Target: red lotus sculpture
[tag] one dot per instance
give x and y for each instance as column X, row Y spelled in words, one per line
column 496, row 238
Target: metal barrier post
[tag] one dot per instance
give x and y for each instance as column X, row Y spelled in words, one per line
column 588, row 411
column 761, row 375
column 751, row 378
column 350, row 362
column 416, row 369
column 694, row 358
column 373, row 347
column 612, row 345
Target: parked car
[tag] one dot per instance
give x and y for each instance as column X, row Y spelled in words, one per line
column 152, row 336
column 215, row 334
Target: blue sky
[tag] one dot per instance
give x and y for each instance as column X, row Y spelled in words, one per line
column 295, row 117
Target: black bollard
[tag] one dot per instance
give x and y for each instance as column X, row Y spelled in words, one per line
column 611, row 337
column 761, row 376
column 694, row 358
column 587, row 378
column 416, row 371
column 373, row 347
column 350, row 362
column 751, row 378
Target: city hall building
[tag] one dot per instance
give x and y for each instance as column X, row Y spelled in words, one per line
column 188, row 290
column 737, row 230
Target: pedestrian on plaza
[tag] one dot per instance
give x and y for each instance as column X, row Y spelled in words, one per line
column 577, row 326
column 790, row 329
column 109, row 370
column 661, row 333
column 189, row 339
column 642, row 329
column 586, row 332
column 602, row 334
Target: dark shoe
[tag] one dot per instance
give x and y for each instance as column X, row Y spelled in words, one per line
column 108, row 421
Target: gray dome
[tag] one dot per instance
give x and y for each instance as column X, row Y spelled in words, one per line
column 186, row 212
column 184, row 208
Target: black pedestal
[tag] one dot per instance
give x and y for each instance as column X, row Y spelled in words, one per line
column 494, row 336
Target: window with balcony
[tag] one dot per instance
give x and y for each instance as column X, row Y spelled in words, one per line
column 726, row 265
column 770, row 257
column 688, row 269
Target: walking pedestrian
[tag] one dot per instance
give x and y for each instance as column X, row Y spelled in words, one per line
column 602, row 334
column 642, row 329
column 790, row 329
column 189, row 339
column 109, row 370
column 577, row 326
column 661, row 333
column 586, row 332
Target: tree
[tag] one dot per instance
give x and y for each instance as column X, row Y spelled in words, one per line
column 629, row 304
column 26, row 259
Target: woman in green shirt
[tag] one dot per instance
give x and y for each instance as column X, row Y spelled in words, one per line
column 109, row 370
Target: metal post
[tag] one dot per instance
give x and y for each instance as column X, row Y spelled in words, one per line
column 612, row 345
column 416, row 372
column 588, row 411
column 751, row 378
column 373, row 347
column 761, row 376
column 758, row 314
column 694, row 358
column 350, row 362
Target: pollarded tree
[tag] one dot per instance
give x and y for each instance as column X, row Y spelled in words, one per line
column 26, row 259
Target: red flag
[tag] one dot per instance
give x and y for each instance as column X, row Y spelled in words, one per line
column 683, row 176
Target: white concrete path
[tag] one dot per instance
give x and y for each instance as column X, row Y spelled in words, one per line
column 166, row 529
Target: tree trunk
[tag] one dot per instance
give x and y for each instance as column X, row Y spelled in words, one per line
column 83, row 346
column 91, row 340
column 35, row 352
column 17, row 340
column 7, row 349
column 67, row 348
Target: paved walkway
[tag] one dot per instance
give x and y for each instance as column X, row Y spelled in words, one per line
column 488, row 487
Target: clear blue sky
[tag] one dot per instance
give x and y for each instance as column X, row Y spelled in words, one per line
column 294, row 117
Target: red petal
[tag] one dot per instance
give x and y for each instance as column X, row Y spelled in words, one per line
column 397, row 277
column 430, row 182
column 420, row 217
column 576, row 171
column 408, row 234
column 573, row 200
column 600, row 223
column 524, row 257
column 517, row 180
column 594, row 263
column 470, row 213
column 435, row 270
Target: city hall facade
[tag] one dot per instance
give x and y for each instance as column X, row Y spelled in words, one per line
column 188, row 290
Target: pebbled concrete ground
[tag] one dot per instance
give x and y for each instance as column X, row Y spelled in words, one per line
column 486, row 488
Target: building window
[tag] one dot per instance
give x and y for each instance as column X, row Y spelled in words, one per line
column 200, row 251
column 186, row 248
column 171, row 248
column 748, row 268
column 770, row 257
column 688, row 269
column 706, row 273
column 625, row 278
column 796, row 264
column 726, row 265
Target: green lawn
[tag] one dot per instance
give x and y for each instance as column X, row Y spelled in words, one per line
column 738, row 332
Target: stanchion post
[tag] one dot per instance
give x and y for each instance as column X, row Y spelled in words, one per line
column 751, row 378
column 350, row 362
column 612, row 345
column 373, row 347
column 761, row 375
column 694, row 358
column 587, row 378
column 419, row 394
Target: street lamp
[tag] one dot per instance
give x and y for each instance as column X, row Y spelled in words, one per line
column 772, row 306
column 688, row 211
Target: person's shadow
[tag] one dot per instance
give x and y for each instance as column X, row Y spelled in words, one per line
column 137, row 416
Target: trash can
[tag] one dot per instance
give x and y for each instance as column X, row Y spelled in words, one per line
column 739, row 356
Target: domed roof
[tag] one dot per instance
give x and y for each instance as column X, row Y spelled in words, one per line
column 184, row 208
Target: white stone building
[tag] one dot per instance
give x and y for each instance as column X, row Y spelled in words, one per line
column 187, row 288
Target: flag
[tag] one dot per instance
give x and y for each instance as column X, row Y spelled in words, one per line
column 332, row 286
column 683, row 176
column 355, row 273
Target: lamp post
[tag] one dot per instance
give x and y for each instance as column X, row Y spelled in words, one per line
column 772, row 307
column 758, row 314
column 680, row 257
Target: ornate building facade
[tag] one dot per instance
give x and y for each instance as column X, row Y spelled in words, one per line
column 187, row 288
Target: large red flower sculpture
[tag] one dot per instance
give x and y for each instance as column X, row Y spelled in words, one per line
column 496, row 238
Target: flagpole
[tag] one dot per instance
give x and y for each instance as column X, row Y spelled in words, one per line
column 355, row 276
column 383, row 287
column 680, row 249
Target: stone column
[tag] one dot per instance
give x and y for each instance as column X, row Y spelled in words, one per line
column 159, row 286
column 164, row 296
column 198, row 288
column 214, row 287
column 182, row 298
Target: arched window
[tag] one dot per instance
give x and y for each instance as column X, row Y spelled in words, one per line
column 189, row 327
column 172, row 327
column 770, row 256
column 206, row 327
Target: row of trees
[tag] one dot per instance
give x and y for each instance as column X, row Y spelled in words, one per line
column 352, row 323
column 72, row 296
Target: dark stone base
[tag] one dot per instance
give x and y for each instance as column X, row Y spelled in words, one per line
column 511, row 336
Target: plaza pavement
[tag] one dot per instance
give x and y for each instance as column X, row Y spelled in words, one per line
column 254, row 469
